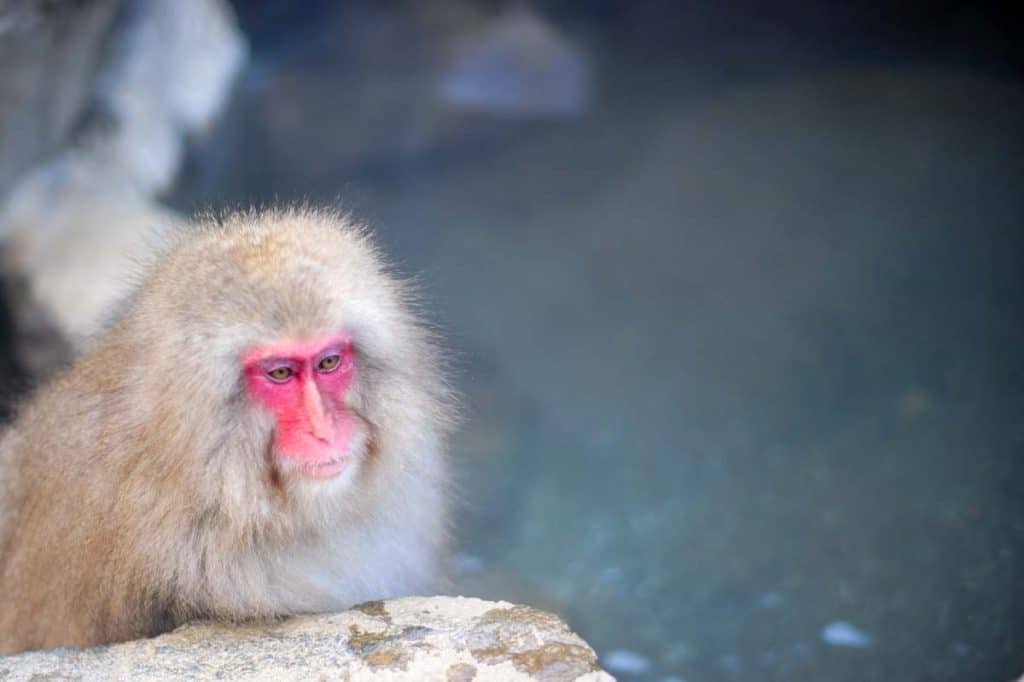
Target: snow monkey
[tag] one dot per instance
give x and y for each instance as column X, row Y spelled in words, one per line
column 259, row 433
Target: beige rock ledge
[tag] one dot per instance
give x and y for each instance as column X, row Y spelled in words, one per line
column 454, row 639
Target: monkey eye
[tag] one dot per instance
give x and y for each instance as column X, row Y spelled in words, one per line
column 280, row 374
column 329, row 363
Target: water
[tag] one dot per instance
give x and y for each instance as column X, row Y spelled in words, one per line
column 740, row 342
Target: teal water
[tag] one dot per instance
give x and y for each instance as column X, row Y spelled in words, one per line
column 740, row 343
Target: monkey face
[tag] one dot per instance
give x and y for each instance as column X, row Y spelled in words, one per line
column 298, row 381
column 305, row 384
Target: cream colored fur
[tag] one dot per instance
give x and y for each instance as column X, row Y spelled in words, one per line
column 136, row 488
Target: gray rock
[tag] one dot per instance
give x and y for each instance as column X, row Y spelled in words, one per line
column 455, row 639
column 169, row 68
column 518, row 64
column 77, row 226
column 49, row 52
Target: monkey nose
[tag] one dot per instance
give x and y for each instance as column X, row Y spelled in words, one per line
column 321, row 425
column 322, row 429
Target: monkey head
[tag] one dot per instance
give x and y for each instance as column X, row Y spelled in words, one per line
column 292, row 364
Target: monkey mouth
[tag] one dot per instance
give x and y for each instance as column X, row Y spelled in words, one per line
column 328, row 468
column 321, row 460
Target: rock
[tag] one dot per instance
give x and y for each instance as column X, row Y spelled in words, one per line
column 32, row 346
column 627, row 662
column 841, row 633
column 518, row 64
column 78, row 240
column 76, row 227
column 48, row 56
column 455, row 639
column 169, row 68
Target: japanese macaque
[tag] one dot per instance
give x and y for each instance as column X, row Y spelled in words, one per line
column 259, row 433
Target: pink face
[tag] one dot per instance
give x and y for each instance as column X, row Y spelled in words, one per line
column 304, row 384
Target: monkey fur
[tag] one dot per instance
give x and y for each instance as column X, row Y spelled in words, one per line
column 142, row 486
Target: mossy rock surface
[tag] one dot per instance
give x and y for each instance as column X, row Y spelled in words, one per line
column 417, row 638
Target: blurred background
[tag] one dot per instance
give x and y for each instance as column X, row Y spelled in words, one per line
column 734, row 290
